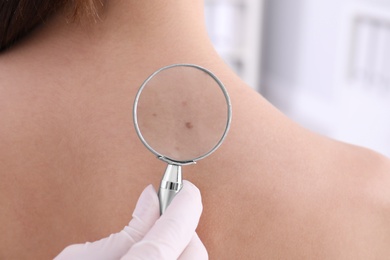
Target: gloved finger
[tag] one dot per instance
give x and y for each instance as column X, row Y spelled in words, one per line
column 146, row 213
column 171, row 234
column 116, row 245
column 195, row 250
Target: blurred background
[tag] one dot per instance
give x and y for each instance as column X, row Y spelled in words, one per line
column 324, row 63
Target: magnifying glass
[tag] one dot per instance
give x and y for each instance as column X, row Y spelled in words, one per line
column 182, row 114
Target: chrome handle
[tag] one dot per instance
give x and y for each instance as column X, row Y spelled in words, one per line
column 171, row 184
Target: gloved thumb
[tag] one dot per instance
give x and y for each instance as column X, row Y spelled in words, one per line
column 175, row 229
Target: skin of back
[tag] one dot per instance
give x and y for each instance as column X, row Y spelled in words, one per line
column 72, row 167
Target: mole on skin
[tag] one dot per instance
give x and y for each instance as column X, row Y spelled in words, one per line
column 189, row 125
column 154, row 114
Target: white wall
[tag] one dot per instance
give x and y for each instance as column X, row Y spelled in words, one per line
column 235, row 28
column 305, row 53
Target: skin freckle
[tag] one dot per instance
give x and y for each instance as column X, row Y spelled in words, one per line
column 189, row 125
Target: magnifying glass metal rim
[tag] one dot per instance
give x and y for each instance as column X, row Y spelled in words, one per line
column 161, row 156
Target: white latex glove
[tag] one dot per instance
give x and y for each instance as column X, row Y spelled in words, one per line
column 149, row 236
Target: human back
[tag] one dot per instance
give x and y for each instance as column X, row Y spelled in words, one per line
column 72, row 166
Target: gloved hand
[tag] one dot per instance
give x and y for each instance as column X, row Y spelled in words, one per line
column 149, row 236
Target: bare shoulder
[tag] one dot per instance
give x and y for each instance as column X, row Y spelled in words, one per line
column 367, row 185
column 286, row 193
column 368, row 170
column 338, row 208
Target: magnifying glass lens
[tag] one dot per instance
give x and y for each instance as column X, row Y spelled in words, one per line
column 182, row 113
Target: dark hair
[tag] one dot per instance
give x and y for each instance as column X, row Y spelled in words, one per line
column 19, row 17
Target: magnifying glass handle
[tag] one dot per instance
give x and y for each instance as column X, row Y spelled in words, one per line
column 171, row 184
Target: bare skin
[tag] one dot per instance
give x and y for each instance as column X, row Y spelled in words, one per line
column 72, row 168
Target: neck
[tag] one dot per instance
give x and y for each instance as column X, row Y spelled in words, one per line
column 128, row 34
column 129, row 41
